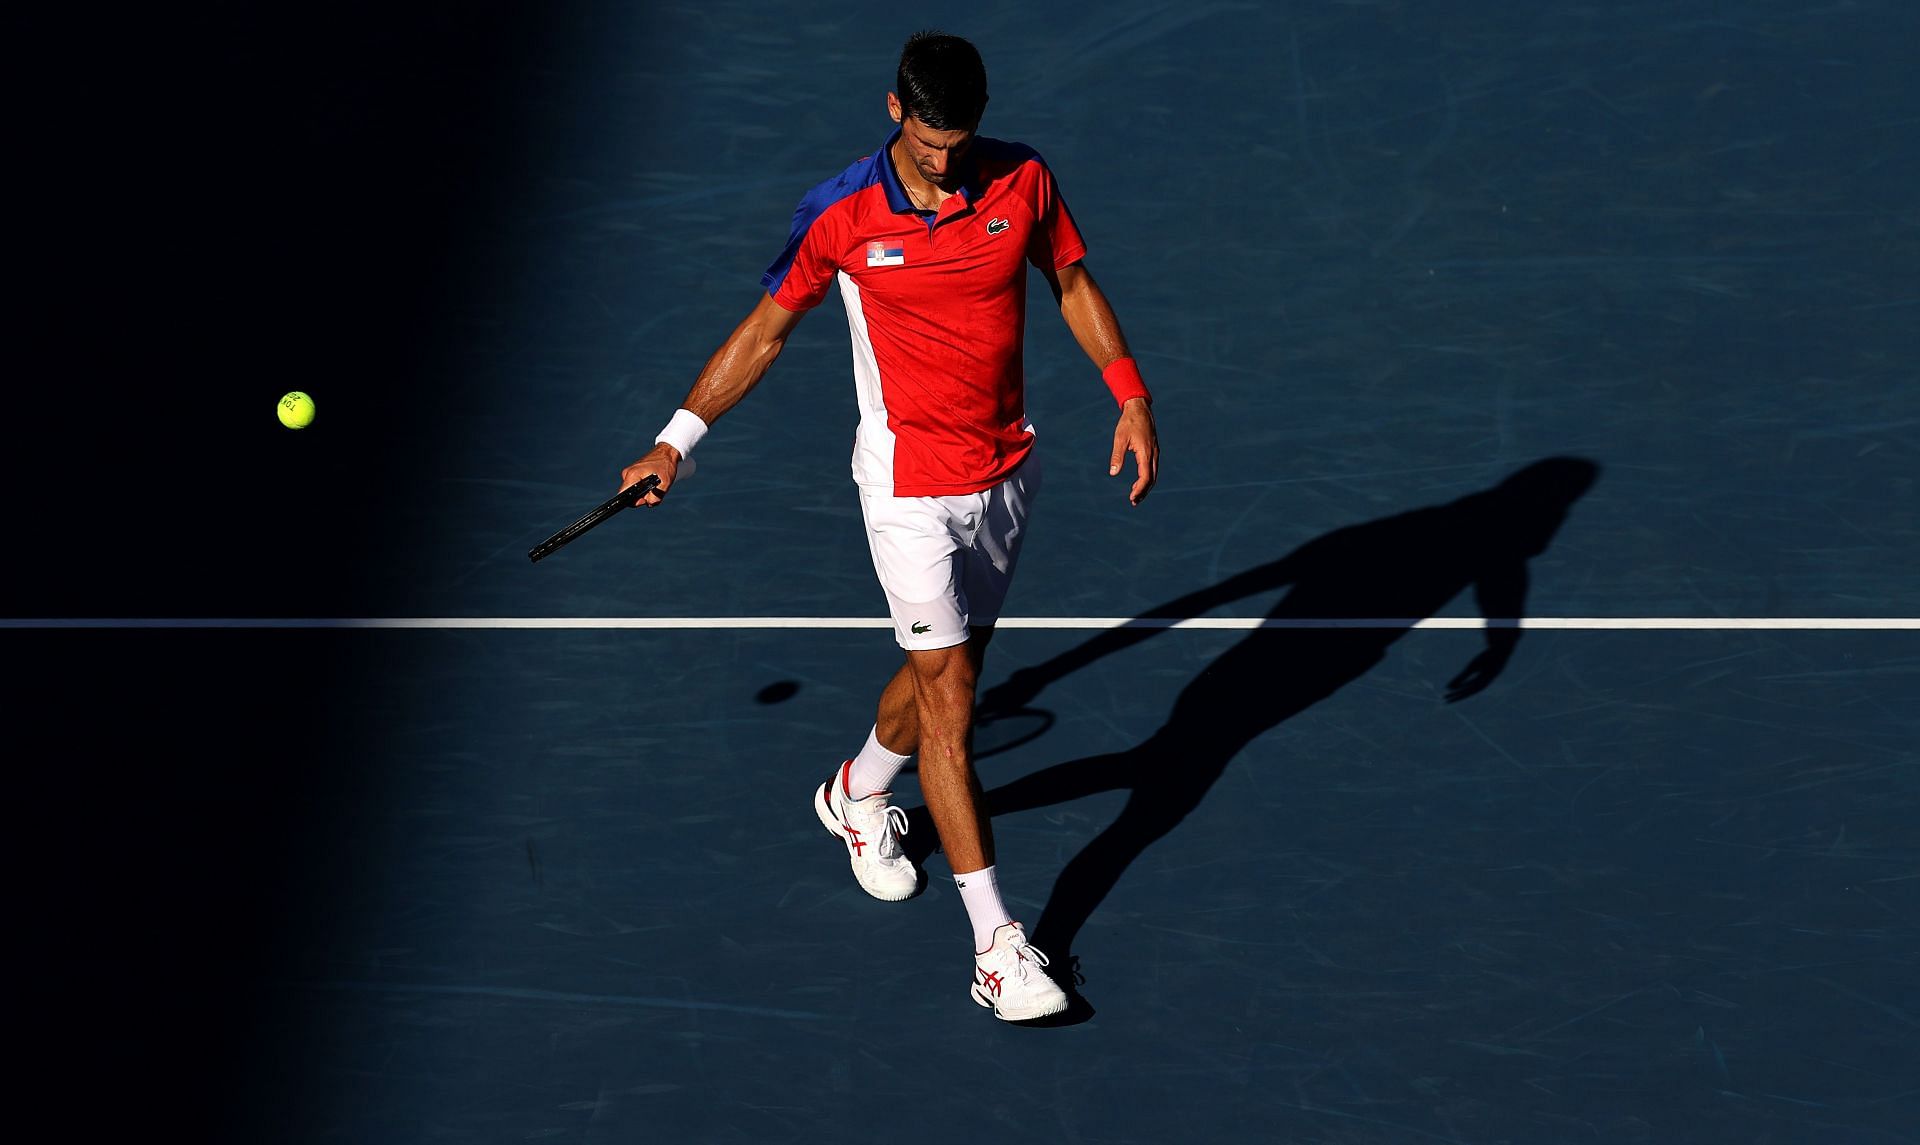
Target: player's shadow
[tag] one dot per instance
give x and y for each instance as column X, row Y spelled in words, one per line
column 1401, row 569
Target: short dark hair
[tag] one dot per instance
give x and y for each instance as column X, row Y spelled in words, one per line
column 941, row 82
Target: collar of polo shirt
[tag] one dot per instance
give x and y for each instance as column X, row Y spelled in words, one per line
column 897, row 200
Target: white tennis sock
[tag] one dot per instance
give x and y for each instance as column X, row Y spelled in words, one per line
column 874, row 768
column 980, row 891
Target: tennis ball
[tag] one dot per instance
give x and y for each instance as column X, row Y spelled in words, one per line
column 296, row 410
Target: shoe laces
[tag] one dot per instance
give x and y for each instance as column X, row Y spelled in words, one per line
column 1024, row 952
column 889, row 824
column 890, row 848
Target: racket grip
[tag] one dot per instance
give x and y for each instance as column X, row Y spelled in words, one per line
column 625, row 499
column 645, row 485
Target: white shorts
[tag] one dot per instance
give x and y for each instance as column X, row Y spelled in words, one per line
column 945, row 563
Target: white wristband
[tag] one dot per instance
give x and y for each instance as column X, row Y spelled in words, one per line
column 683, row 432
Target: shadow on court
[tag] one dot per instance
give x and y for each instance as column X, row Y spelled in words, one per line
column 1405, row 567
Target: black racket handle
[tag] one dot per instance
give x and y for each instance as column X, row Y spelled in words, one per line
column 622, row 500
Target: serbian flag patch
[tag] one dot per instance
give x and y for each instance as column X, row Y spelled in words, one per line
column 887, row 252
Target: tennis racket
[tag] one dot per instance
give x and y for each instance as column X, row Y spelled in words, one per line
column 622, row 500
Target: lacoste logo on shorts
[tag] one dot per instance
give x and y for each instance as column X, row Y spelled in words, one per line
column 995, row 226
column 920, row 628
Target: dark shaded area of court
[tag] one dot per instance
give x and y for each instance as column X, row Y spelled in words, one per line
column 1449, row 311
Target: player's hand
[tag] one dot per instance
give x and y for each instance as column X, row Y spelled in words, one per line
column 662, row 460
column 1136, row 435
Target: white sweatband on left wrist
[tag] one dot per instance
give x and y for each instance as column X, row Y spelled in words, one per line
column 683, row 432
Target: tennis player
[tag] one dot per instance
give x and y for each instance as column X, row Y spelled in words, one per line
column 928, row 240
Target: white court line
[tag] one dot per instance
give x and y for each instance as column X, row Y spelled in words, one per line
column 713, row 623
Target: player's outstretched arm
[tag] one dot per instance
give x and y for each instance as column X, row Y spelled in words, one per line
column 733, row 370
column 1090, row 316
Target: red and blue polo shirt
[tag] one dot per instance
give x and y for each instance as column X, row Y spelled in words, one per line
column 937, row 309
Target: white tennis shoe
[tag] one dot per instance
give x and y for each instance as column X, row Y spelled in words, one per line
column 871, row 829
column 1009, row 978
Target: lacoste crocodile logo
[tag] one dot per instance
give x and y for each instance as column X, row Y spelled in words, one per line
column 995, row 226
column 920, row 628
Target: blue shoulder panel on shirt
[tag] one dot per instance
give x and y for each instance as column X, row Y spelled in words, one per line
column 857, row 177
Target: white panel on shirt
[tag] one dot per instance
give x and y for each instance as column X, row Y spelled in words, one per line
column 873, row 441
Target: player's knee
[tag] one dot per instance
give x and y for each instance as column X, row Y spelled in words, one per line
column 945, row 669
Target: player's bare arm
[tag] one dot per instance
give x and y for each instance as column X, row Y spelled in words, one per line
column 729, row 375
column 1090, row 316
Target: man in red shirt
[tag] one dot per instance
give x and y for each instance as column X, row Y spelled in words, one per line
column 928, row 240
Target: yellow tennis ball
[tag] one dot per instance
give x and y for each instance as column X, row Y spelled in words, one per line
column 296, row 410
